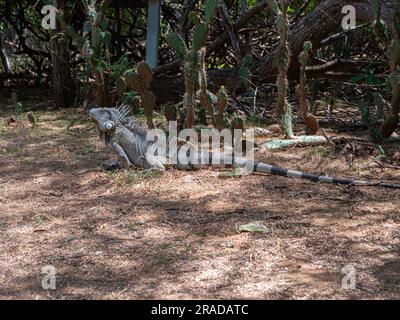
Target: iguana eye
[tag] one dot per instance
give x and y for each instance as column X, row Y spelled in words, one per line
column 109, row 125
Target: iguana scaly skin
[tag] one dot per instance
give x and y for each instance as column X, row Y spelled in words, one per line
column 128, row 140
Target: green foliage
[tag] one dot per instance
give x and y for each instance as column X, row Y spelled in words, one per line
column 128, row 97
column 368, row 78
column 369, row 122
column 290, row 10
column 117, row 73
column 120, row 67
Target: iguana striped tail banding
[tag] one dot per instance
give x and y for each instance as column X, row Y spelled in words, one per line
column 267, row 168
column 262, row 167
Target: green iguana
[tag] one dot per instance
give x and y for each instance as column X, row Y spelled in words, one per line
column 128, row 140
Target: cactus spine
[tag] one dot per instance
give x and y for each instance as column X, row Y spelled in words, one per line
column 141, row 83
column 309, row 119
column 284, row 112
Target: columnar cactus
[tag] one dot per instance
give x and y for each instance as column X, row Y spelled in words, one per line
column 284, row 112
column 194, row 63
column 222, row 103
column 191, row 83
column 309, row 119
column 206, row 98
column 141, row 83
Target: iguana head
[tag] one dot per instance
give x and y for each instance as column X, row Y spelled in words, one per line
column 108, row 119
column 105, row 118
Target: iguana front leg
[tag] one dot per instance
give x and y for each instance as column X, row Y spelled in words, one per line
column 121, row 154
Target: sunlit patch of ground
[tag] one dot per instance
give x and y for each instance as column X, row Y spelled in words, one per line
column 129, row 235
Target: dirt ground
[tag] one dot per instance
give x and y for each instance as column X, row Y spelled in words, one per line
column 130, row 235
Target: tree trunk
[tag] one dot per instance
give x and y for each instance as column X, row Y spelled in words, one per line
column 317, row 25
column 5, row 60
column 4, row 56
column 63, row 83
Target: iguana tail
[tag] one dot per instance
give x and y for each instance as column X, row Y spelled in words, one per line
column 267, row 168
column 261, row 167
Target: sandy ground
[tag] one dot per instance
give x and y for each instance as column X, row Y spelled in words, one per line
column 130, row 235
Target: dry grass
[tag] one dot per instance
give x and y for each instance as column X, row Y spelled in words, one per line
column 131, row 236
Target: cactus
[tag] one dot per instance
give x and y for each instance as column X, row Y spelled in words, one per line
column 176, row 41
column 191, row 83
column 284, row 112
column 209, row 10
column 222, row 103
column 214, row 105
column 93, row 49
column 202, row 116
column 120, row 84
column 207, row 99
column 137, row 104
column 392, row 44
column 141, row 83
column 199, row 37
column 310, row 120
column 31, row 118
column 194, row 65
